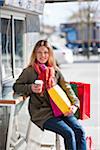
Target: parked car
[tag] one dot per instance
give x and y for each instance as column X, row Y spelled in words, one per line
column 62, row 54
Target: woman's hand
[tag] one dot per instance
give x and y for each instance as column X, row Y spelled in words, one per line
column 72, row 110
column 36, row 88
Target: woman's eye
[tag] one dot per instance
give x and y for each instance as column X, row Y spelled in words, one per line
column 45, row 53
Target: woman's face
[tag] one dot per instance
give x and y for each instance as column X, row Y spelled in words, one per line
column 42, row 54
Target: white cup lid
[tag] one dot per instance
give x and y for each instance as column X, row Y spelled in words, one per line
column 38, row 82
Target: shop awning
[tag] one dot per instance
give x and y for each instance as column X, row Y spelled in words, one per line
column 53, row 1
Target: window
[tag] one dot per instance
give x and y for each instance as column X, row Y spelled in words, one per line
column 6, row 47
column 18, row 43
column 12, row 46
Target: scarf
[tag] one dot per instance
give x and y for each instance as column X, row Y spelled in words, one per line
column 46, row 74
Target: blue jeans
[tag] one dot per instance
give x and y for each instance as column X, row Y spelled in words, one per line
column 70, row 129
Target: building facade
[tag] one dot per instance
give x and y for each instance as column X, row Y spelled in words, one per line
column 80, row 35
column 19, row 30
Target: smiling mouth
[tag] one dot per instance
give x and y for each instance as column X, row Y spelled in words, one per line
column 42, row 59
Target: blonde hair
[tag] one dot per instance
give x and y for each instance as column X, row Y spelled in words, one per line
column 51, row 60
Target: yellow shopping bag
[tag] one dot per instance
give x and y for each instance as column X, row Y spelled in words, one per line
column 60, row 99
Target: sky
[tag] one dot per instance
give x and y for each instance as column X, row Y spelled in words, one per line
column 56, row 13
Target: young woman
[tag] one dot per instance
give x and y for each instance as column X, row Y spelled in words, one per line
column 42, row 66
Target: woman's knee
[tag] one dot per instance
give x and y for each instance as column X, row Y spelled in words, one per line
column 69, row 134
column 80, row 132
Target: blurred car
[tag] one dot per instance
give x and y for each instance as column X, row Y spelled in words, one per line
column 63, row 54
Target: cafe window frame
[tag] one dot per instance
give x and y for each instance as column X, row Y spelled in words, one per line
column 12, row 19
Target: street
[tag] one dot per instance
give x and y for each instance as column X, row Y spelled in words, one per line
column 88, row 72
